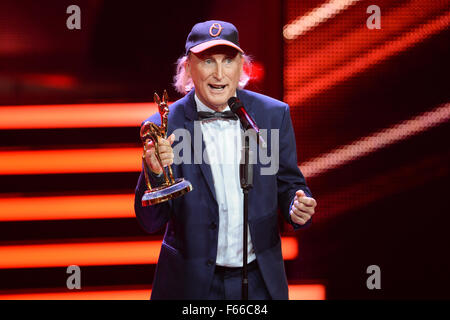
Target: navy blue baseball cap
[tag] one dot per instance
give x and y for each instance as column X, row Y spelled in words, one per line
column 205, row 35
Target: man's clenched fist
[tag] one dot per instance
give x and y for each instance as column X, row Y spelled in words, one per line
column 303, row 208
column 165, row 153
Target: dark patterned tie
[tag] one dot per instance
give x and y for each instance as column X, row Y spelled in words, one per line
column 226, row 115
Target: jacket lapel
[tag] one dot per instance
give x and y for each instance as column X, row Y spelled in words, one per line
column 248, row 104
column 251, row 109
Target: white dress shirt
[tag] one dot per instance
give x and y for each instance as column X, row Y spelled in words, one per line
column 223, row 149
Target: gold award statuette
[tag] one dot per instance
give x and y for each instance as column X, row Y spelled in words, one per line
column 171, row 188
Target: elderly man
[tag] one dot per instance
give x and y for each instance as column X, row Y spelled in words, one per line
column 201, row 255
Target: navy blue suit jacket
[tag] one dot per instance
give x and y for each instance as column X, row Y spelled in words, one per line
column 187, row 259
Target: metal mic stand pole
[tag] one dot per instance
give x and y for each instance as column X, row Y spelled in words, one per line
column 246, row 177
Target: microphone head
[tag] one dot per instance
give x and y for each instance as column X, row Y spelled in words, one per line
column 234, row 104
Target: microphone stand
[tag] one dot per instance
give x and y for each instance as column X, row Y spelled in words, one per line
column 246, row 177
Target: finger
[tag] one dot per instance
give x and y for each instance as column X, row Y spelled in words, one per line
column 166, row 156
column 163, row 149
column 153, row 163
column 150, row 154
column 163, row 142
column 166, row 162
column 307, row 201
column 300, row 193
column 308, row 210
column 149, row 144
column 301, row 214
column 171, row 138
column 297, row 219
column 302, row 208
column 157, row 171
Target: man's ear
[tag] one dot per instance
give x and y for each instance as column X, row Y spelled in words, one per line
column 242, row 62
column 187, row 67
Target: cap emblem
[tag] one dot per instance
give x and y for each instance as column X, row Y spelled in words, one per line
column 215, row 30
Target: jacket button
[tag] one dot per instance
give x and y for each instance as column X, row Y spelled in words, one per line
column 209, row 262
column 213, row 226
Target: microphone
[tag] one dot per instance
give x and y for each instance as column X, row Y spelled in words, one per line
column 247, row 122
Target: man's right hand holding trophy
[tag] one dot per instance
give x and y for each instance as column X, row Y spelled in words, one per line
column 158, row 155
column 165, row 153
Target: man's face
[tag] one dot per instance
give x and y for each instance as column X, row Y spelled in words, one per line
column 215, row 73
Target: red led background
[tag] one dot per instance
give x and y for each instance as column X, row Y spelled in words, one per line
column 370, row 109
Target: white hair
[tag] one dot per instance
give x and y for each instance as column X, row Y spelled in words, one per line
column 183, row 82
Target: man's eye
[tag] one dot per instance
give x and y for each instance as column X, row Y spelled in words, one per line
column 208, row 61
column 228, row 60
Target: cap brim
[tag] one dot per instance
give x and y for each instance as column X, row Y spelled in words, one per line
column 209, row 44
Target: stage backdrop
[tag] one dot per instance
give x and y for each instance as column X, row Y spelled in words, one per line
column 367, row 84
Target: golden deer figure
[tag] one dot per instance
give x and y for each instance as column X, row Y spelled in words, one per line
column 151, row 131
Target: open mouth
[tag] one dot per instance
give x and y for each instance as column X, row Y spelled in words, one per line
column 217, row 87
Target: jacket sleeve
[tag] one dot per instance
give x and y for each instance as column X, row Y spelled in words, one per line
column 151, row 218
column 289, row 177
